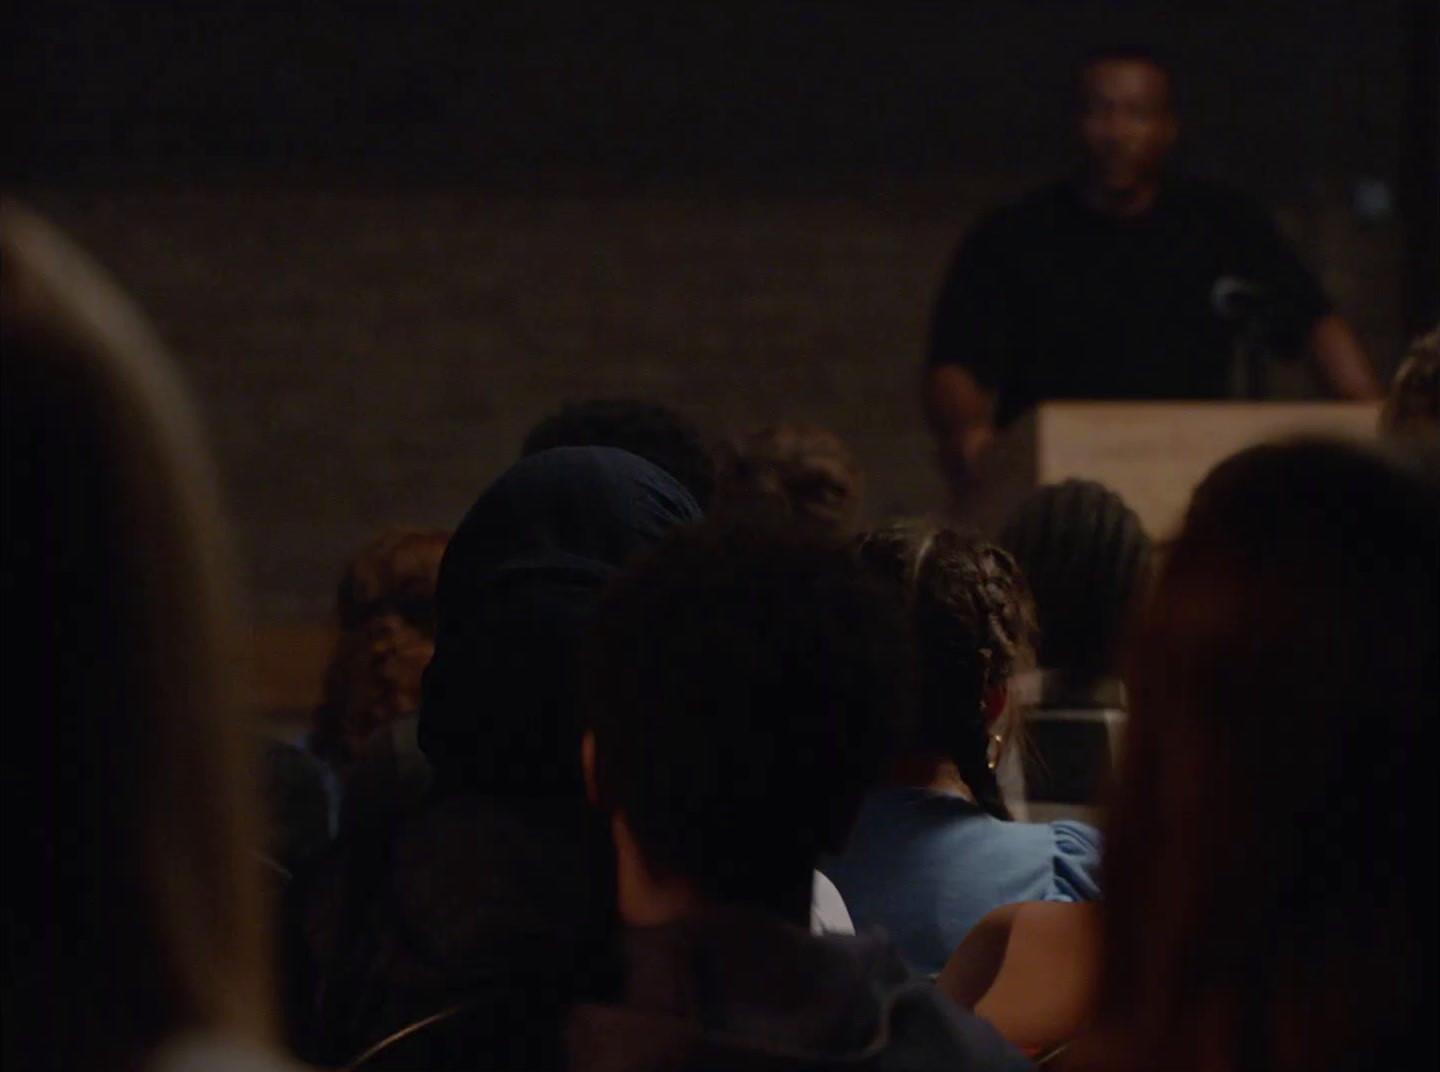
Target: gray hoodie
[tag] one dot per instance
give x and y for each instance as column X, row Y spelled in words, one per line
column 739, row 989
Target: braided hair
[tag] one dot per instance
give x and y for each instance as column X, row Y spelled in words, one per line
column 1085, row 556
column 974, row 627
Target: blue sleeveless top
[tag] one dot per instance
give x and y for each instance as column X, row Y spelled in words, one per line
column 926, row 865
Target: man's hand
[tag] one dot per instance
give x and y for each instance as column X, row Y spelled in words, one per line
column 1342, row 361
column 961, row 414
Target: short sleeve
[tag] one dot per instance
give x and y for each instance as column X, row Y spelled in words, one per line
column 1295, row 298
column 972, row 324
column 1077, row 862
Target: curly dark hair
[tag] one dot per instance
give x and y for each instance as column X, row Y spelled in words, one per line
column 974, row 628
column 744, row 688
column 798, row 474
column 657, row 433
column 385, row 609
column 1413, row 404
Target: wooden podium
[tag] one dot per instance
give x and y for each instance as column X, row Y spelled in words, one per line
column 1152, row 453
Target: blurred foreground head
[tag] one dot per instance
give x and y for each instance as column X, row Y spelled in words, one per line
column 132, row 904
column 1269, row 901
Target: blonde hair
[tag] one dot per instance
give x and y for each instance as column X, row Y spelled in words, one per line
column 147, row 914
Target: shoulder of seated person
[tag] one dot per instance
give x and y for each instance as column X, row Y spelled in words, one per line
column 1059, row 945
column 205, row 1052
column 1076, row 833
column 1056, row 941
column 1063, row 921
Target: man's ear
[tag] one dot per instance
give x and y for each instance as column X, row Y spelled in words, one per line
column 587, row 764
column 995, row 702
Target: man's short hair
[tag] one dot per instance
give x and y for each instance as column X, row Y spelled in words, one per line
column 1124, row 53
column 746, row 688
column 656, row 433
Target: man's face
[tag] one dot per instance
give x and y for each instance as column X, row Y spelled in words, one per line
column 1126, row 123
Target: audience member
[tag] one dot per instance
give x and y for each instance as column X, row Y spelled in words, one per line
column 1029, row 970
column 793, row 473
column 742, row 694
column 494, row 898
column 365, row 725
column 1086, row 559
column 934, row 849
column 135, row 930
column 297, row 805
column 1413, row 404
column 1266, row 905
column 1410, row 419
column 656, row 433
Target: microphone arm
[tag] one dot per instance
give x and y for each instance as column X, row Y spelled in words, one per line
column 1245, row 304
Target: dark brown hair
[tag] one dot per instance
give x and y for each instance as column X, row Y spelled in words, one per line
column 974, row 629
column 744, row 688
column 385, row 607
column 1268, row 904
column 799, row 474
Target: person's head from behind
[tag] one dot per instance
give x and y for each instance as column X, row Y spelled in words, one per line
column 795, row 474
column 385, row 609
column 1086, row 557
column 1267, row 902
column 743, row 688
column 1413, row 404
column 655, row 432
column 132, row 876
column 518, row 585
column 1125, row 118
column 974, row 628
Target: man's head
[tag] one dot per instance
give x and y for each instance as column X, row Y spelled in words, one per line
column 1125, row 117
column 744, row 691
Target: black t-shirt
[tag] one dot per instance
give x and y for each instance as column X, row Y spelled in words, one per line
column 1050, row 299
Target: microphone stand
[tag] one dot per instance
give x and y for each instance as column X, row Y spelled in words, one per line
column 1250, row 350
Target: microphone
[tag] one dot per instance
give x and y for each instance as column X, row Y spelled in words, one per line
column 1238, row 300
column 1244, row 303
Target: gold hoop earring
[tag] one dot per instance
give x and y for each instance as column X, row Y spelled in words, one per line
column 992, row 753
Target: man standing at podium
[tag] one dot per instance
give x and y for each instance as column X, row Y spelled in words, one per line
column 1123, row 282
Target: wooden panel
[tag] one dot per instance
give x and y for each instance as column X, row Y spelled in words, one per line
column 1154, row 454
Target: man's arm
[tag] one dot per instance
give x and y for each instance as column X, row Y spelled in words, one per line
column 961, row 413
column 1341, row 359
column 971, row 340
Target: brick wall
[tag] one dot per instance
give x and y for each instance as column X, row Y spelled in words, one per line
column 374, row 359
